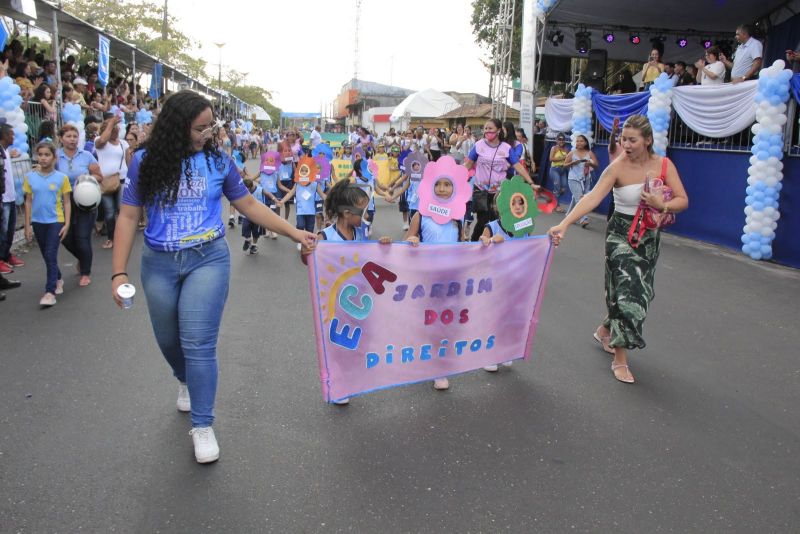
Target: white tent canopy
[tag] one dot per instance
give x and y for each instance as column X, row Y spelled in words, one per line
column 261, row 114
column 425, row 104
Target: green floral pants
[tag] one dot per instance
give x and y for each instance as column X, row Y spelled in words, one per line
column 629, row 275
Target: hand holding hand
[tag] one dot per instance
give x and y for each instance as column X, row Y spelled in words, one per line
column 385, row 240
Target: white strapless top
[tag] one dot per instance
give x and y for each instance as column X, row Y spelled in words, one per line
column 627, row 197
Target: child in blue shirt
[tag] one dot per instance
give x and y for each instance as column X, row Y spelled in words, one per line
column 250, row 230
column 270, row 195
column 47, row 215
column 304, row 196
column 425, row 229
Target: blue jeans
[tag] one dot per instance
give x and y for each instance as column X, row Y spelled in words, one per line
column 558, row 177
column 79, row 239
column 578, row 188
column 8, row 223
column 47, row 237
column 186, row 292
column 110, row 204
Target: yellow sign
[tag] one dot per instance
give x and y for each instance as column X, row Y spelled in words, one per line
column 383, row 177
column 341, row 169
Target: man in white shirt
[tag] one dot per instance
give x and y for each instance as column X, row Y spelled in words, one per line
column 316, row 137
column 353, row 138
column 669, row 68
column 747, row 58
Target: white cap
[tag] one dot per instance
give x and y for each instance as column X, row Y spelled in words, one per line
column 79, row 81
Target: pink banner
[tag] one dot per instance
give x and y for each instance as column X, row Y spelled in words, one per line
column 387, row 315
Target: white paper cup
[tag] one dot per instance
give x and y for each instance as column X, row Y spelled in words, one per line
column 126, row 292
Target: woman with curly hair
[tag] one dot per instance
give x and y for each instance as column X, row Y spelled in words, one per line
column 179, row 178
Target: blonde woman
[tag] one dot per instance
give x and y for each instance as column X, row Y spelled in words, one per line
column 629, row 272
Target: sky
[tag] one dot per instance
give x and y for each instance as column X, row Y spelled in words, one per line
column 415, row 44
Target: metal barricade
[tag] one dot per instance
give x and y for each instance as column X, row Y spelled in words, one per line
column 35, row 115
column 20, row 166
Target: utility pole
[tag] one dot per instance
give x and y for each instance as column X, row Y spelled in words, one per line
column 165, row 24
column 219, row 79
column 355, row 46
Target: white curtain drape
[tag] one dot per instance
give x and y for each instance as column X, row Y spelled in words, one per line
column 716, row 110
column 558, row 114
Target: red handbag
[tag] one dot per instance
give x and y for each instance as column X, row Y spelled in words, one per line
column 647, row 217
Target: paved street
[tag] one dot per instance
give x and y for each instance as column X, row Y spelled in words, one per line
column 707, row 440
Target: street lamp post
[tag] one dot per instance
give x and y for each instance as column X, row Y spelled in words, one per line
column 219, row 79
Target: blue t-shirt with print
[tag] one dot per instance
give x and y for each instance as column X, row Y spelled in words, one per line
column 196, row 216
column 304, row 197
column 74, row 166
column 46, row 193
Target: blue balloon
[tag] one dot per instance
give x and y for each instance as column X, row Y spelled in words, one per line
column 758, row 205
column 762, row 155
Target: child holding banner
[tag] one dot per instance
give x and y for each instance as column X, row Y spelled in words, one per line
column 428, row 229
column 345, row 206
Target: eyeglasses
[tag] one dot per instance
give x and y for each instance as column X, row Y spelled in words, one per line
column 204, row 133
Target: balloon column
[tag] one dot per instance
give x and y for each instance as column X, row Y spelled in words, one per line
column 582, row 114
column 766, row 168
column 10, row 102
column 71, row 114
column 659, row 107
column 144, row 116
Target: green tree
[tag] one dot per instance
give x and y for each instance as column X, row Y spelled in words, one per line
column 140, row 22
column 235, row 84
column 484, row 16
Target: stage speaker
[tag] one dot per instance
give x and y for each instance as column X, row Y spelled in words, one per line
column 555, row 69
column 597, row 63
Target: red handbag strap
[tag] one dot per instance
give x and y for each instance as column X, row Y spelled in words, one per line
column 637, row 229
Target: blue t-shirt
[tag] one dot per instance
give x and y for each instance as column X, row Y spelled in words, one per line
column 285, row 172
column 432, row 232
column 362, row 180
column 196, row 216
column 304, row 198
column 75, row 166
column 495, row 229
column 331, row 233
column 46, row 194
column 411, row 195
column 269, row 182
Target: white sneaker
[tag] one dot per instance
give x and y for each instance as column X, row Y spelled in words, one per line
column 441, row 384
column 48, row 300
column 405, row 226
column 490, row 368
column 184, row 402
column 206, row 449
column 342, row 402
column 508, row 364
column 59, row 287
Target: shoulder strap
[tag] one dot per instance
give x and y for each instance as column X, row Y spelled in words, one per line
column 664, row 162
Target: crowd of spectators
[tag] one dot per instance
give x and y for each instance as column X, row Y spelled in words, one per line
column 717, row 65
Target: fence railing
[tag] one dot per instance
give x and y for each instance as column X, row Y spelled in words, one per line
column 681, row 136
